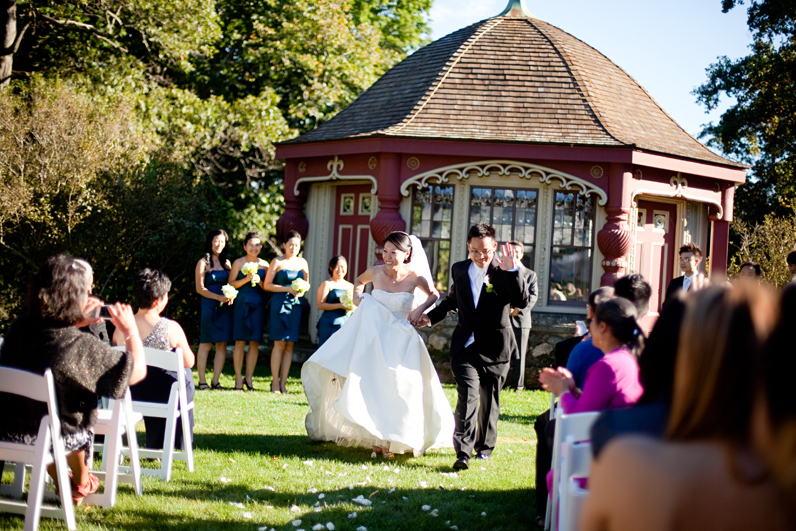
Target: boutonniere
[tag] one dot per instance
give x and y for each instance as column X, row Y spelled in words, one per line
column 489, row 287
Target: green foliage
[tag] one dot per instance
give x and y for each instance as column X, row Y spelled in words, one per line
column 767, row 243
column 760, row 128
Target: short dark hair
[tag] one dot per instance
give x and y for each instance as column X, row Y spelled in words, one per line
column 599, row 295
column 635, row 289
column 251, row 236
column 401, row 240
column 148, row 286
column 481, row 230
column 336, row 260
column 291, row 234
column 691, row 247
column 518, row 243
column 754, row 265
column 59, row 289
column 791, row 258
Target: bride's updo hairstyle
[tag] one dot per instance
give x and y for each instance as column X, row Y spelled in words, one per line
column 402, row 242
column 620, row 316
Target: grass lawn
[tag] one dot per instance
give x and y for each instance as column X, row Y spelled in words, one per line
column 256, row 468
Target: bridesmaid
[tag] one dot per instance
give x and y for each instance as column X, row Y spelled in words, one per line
column 249, row 310
column 212, row 272
column 330, row 293
column 285, row 308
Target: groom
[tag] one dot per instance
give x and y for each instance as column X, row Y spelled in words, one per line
column 483, row 342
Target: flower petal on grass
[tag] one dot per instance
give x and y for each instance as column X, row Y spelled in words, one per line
column 362, row 528
column 222, row 479
column 454, row 528
column 317, row 509
column 483, row 514
column 396, row 470
column 247, row 515
column 426, row 507
column 386, row 468
column 321, row 496
column 424, row 484
column 239, row 505
column 269, row 487
column 364, row 466
column 296, row 523
column 317, row 527
column 391, row 491
column 435, row 512
column 362, row 501
column 294, row 509
column 309, row 463
column 352, row 515
column 312, row 490
column 373, row 455
column 330, row 526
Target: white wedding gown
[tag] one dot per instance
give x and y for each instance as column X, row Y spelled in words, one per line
column 373, row 382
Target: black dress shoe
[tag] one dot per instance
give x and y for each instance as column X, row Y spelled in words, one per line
column 482, row 456
column 461, row 464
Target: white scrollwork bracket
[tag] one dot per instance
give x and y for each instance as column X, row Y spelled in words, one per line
column 335, row 166
column 679, row 190
column 523, row 170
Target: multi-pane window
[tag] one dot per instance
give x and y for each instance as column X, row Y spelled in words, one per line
column 511, row 212
column 432, row 215
column 572, row 249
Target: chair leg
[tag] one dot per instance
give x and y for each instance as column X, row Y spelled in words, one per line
column 37, row 485
column 168, row 448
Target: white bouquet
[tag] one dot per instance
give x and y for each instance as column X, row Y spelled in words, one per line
column 301, row 286
column 229, row 292
column 251, row 268
column 348, row 300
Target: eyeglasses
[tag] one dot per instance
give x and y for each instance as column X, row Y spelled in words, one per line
column 480, row 254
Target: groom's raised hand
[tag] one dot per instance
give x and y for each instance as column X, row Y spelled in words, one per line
column 421, row 322
column 509, row 261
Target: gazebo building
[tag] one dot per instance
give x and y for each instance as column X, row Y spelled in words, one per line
column 517, row 123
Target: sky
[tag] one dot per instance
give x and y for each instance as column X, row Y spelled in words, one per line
column 664, row 45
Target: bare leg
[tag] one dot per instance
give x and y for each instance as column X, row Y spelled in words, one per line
column 287, row 358
column 276, row 362
column 201, row 361
column 219, row 360
column 237, row 363
column 77, row 462
column 251, row 360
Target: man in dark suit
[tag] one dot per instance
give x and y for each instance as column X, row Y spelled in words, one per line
column 483, row 341
column 690, row 257
column 521, row 320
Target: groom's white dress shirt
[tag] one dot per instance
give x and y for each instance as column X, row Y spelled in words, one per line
column 687, row 281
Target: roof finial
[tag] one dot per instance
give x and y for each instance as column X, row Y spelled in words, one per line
column 516, row 8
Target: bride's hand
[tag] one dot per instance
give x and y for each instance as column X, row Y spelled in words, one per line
column 421, row 322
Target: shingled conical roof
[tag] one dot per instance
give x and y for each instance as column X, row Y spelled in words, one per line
column 512, row 78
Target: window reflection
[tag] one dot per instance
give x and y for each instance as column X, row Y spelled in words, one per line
column 572, row 249
column 511, row 212
column 432, row 215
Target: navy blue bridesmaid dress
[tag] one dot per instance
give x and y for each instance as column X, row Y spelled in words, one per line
column 216, row 322
column 248, row 314
column 331, row 320
column 285, row 309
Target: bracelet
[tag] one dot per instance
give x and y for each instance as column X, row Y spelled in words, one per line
column 131, row 335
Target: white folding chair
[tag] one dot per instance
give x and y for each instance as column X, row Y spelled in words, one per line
column 575, row 464
column 42, row 389
column 555, row 412
column 117, row 420
column 176, row 409
column 577, row 426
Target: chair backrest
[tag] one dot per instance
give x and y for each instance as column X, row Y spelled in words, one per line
column 39, row 387
column 165, row 359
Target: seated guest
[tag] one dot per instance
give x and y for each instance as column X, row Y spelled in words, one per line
column 83, row 367
column 705, row 476
column 656, row 372
column 585, row 353
column 151, row 291
column 774, row 418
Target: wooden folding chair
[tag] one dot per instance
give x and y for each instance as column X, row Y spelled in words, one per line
column 42, row 389
column 577, row 426
column 117, row 420
column 176, row 409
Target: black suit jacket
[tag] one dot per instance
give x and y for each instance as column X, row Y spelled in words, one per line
column 674, row 287
column 523, row 320
column 489, row 322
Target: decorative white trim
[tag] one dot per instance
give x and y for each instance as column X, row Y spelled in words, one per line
column 680, row 186
column 335, row 166
column 524, row 170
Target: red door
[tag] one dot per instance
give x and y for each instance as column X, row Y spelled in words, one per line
column 654, row 257
column 351, row 234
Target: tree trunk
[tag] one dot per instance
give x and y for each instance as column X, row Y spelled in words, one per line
column 8, row 39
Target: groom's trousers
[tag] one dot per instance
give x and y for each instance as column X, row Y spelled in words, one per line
column 478, row 406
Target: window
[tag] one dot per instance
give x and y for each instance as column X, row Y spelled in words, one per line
column 511, row 212
column 432, row 215
column 571, row 250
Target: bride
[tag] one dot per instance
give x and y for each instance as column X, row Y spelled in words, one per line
column 372, row 383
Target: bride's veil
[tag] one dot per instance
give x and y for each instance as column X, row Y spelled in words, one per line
column 419, row 264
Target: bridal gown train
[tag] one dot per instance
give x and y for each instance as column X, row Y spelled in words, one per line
column 373, row 382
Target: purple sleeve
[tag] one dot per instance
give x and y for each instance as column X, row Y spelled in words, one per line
column 598, row 388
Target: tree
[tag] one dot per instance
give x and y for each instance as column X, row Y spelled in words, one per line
column 768, row 243
column 760, row 128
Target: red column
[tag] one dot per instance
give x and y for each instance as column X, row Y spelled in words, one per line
column 388, row 219
column 293, row 217
column 614, row 240
column 720, row 233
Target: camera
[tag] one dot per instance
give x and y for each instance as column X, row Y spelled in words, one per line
column 103, row 313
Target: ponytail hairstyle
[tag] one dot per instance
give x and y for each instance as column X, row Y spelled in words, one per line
column 620, row 316
column 222, row 256
column 402, row 242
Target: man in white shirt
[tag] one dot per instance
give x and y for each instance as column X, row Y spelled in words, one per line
column 690, row 257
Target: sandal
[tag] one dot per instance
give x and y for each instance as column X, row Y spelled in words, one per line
column 79, row 492
column 217, row 386
column 276, row 391
column 203, row 386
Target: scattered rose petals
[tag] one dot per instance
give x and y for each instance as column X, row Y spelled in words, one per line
column 294, row 509
column 424, row 484
column 426, row 507
column 275, row 459
column 317, row 527
column 350, row 487
column 296, row 523
column 373, row 455
column 321, row 496
column 236, row 504
column 317, row 509
column 248, row 498
column 330, row 526
column 454, row 528
column 362, row 528
column 247, row 515
column 391, row 491
column 404, row 497
column 364, row 466
column 222, row 479
column 231, row 460
column 312, row 490
column 435, row 512
column 483, row 468
column 284, row 466
column 269, row 487
column 309, row 463
column 386, row 468
column 483, row 514
column 327, row 473
column 396, row 470
column 362, row 500
column 352, row 515
column 451, row 474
